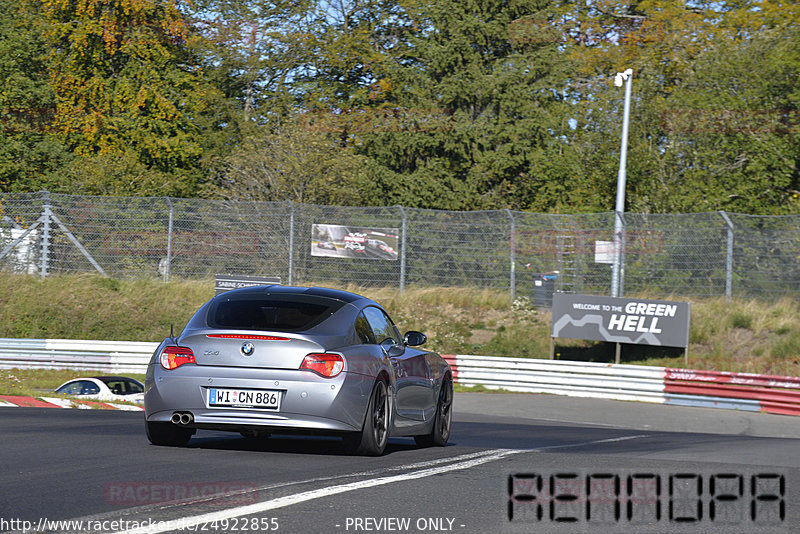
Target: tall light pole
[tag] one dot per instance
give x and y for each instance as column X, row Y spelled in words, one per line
column 617, row 272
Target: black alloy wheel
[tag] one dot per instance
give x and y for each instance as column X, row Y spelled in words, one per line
column 374, row 435
column 443, row 419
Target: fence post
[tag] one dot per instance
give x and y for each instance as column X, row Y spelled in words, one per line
column 622, row 254
column 291, row 241
column 617, row 270
column 729, row 258
column 46, row 212
column 402, row 250
column 512, row 254
column 169, row 241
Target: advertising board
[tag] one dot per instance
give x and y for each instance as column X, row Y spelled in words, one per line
column 621, row 320
column 226, row 282
column 338, row 241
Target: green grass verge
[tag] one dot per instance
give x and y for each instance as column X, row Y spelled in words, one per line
column 458, row 388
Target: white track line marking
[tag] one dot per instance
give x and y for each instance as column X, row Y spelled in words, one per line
column 289, row 500
column 570, row 422
column 374, row 472
column 573, row 445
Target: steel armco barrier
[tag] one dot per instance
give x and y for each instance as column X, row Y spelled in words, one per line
column 686, row 387
column 106, row 356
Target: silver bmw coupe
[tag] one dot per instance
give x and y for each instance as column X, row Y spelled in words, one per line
column 279, row 360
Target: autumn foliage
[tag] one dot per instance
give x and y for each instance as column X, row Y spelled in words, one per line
column 453, row 104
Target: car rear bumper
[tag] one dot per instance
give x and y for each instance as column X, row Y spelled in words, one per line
column 308, row 401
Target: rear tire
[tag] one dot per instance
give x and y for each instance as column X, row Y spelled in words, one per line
column 374, row 435
column 444, row 418
column 160, row 433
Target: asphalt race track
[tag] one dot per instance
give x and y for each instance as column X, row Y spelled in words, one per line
column 515, row 463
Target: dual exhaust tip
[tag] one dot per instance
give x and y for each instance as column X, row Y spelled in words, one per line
column 182, row 418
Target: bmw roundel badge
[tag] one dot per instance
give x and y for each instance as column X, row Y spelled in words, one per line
column 248, row 348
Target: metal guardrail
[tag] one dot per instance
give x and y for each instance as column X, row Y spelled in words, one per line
column 559, row 377
column 106, row 356
column 686, row 387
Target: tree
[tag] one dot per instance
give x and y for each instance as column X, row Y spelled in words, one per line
column 27, row 103
column 711, row 90
column 252, row 52
column 126, row 84
column 294, row 163
column 476, row 113
column 347, row 46
column 735, row 125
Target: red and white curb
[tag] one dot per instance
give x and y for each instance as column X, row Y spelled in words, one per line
column 11, row 401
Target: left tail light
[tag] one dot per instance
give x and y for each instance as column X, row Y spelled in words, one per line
column 174, row 357
column 324, row 364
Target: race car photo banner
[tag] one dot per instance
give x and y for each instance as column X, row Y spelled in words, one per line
column 337, row 241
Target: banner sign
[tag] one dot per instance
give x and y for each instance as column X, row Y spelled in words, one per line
column 226, row 282
column 618, row 320
column 337, row 241
column 604, row 252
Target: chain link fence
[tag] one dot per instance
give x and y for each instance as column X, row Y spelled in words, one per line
column 702, row 254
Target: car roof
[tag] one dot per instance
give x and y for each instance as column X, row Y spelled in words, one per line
column 95, row 379
column 338, row 294
column 81, row 378
column 112, row 378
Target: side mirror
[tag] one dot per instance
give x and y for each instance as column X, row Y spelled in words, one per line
column 414, row 338
column 392, row 349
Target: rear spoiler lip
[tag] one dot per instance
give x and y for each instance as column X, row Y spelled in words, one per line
column 260, row 337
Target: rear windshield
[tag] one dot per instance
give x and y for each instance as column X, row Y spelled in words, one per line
column 287, row 313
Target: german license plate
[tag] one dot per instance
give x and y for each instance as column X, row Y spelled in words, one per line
column 244, row 398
